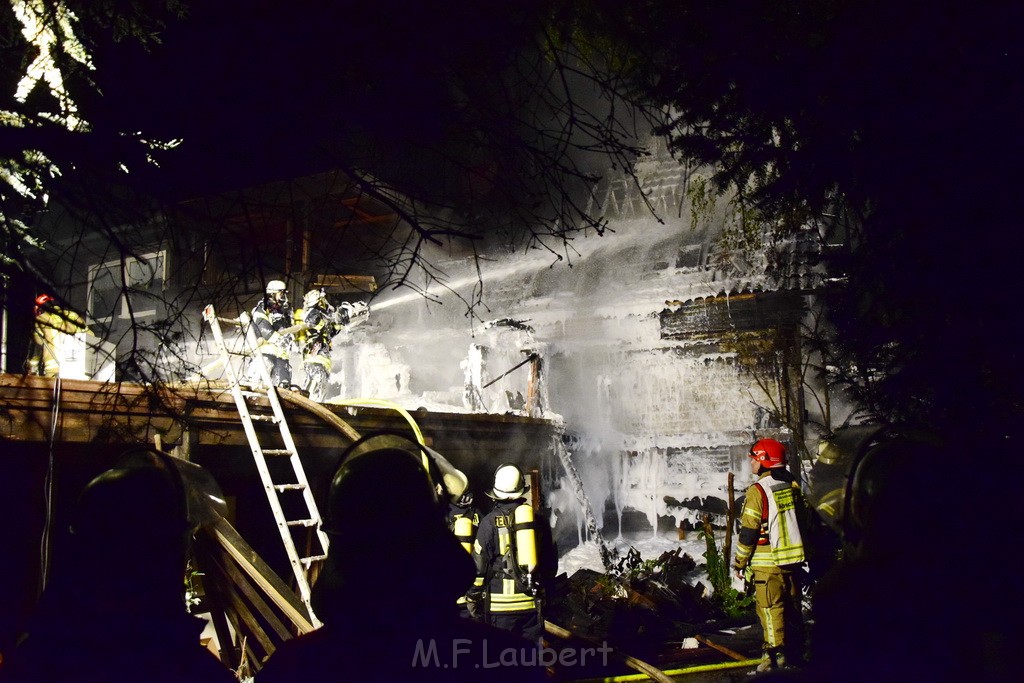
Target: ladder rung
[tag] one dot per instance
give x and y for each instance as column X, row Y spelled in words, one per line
column 290, row 487
column 302, row 522
column 277, row 451
column 262, row 418
column 252, row 394
column 310, row 560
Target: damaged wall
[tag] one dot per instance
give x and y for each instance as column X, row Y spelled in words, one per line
column 657, row 405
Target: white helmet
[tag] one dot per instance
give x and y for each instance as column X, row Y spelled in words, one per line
column 313, row 297
column 276, row 292
column 508, row 483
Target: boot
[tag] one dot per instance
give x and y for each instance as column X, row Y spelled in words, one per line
column 773, row 658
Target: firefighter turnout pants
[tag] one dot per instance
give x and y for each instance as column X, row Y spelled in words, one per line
column 777, row 599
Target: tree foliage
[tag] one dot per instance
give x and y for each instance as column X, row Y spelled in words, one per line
column 895, row 121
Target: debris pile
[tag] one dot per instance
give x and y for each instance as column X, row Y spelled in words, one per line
column 639, row 605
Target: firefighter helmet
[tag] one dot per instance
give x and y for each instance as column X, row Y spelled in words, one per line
column 313, row 298
column 370, row 457
column 413, row 520
column 276, row 291
column 455, row 483
column 884, row 479
column 769, row 453
column 509, row 483
column 41, row 301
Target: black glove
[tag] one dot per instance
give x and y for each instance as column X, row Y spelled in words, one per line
column 475, row 599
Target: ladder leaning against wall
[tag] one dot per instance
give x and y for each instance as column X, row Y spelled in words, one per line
column 311, row 520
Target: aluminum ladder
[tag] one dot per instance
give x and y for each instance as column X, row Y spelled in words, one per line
column 300, row 565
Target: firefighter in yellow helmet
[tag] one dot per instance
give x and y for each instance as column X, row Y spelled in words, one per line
column 505, row 552
column 771, row 545
column 463, row 520
column 322, row 321
column 270, row 316
column 52, row 322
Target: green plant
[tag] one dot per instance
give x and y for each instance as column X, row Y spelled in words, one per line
column 731, row 601
column 193, row 595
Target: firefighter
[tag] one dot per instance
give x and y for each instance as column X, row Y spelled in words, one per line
column 770, row 544
column 52, row 321
column 463, row 521
column 123, row 563
column 386, row 592
column 505, row 553
column 271, row 315
column 322, row 321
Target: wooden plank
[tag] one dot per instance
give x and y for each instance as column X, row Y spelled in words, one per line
column 249, row 624
column 345, row 284
column 261, row 573
column 213, row 595
column 721, row 648
column 632, row 662
column 239, row 580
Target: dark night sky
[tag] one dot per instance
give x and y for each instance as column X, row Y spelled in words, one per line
column 260, row 90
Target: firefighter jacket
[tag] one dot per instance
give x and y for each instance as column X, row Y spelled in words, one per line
column 497, row 566
column 463, row 521
column 770, row 526
column 52, row 322
column 269, row 319
column 321, row 326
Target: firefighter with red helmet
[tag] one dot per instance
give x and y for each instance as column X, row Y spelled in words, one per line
column 52, row 322
column 771, row 547
column 270, row 317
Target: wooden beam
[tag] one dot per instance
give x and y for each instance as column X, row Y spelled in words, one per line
column 345, row 284
column 261, row 573
column 632, row 662
column 245, row 587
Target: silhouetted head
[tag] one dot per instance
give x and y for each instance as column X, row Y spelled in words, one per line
column 130, row 529
column 388, row 536
column 887, row 489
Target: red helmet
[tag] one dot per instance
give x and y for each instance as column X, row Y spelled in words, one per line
column 768, row 452
column 41, row 301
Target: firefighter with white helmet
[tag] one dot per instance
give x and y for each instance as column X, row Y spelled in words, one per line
column 322, row 321
column 270, row 317
column 771, row 545
column 505, row 552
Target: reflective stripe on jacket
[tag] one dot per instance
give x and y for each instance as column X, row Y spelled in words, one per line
column 316, row 345
column 267, row 322
column 506, row 593
column 50, row 324
column 770, row 532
